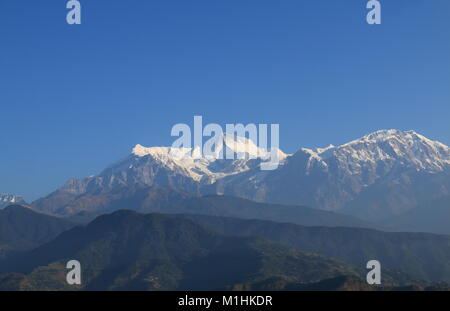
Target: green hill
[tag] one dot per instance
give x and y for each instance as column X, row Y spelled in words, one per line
column 131, row 251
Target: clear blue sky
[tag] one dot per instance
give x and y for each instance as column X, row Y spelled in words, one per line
column 76, row 98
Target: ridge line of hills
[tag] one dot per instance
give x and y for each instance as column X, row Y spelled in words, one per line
column 406, row 257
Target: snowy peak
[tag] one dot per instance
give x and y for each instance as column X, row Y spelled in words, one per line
column 226, row 143
column 161, row 152
column 328, row 178
column 8, row 199
column 223, row 156
column 142, row 151
column 388, row 148
column 406, row 148
column 383, row 135
column 320, row 153
column 407, row 137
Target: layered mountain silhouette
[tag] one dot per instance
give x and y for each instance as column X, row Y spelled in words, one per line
column 142, row 198
column 131, row 251
column 187, row 215
column 423, row 256
column 127, row 250
column 380, row 177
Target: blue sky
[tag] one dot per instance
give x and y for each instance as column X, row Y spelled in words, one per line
column 76, row 98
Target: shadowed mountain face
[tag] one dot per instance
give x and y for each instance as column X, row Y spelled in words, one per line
column 421, row 255
column 136, row 197
column 21, row 228
column 169, row 201
column 380, row 178
column 241, row 208
column 130, row 251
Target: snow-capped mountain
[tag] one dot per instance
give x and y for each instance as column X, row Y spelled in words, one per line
column 390, row 147
column 9, row 199
column 184, row 168
column 381, row 175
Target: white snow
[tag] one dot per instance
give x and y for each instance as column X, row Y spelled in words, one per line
column 191, row 162
column 394, row 146
column 381, row 150
column 9, row 198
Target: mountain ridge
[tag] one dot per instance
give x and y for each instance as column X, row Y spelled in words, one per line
column 425, row 256
column 169, row 200
column 127, row 250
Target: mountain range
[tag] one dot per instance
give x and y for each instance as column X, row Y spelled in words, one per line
column 164, row 219
column 382, row 178
column 127, row 250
